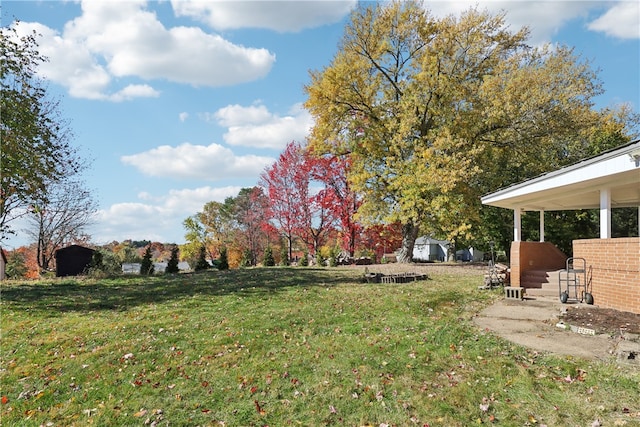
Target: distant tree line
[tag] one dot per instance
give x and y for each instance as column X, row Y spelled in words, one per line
column 415, row 118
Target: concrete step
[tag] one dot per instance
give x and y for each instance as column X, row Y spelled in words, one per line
column 552, row 288
column 537, row 279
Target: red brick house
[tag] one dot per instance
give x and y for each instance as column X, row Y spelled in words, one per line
column 604, row 182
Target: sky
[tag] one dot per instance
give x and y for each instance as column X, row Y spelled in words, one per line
column 178, row 103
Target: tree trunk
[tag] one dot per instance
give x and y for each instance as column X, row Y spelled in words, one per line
column 41, row 256
column 409, row 236
column 451, row 251
column 290, row 247
column 352, row 229
column 352, row 242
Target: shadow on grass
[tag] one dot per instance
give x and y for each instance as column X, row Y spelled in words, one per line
column 125, row 292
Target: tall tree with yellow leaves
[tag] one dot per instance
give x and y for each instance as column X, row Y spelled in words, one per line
column 423, row 106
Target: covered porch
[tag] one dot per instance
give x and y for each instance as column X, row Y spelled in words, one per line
column 610, row 180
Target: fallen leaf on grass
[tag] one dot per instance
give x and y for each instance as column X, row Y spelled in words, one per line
column 259, row 408
column 5, row 400
column 140, row 413
column 581, row 375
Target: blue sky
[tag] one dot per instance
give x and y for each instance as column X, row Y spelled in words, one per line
column 183, row 102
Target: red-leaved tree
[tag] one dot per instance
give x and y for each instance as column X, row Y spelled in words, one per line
column 318, row 219
column 383, row 238
column 332, row 171
column 287, row 185
column 250, row 212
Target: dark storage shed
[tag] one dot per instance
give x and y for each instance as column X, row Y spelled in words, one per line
column 3, row 264
column 73, row 260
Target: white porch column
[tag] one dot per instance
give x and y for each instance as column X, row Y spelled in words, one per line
column 605, row 213
column 517, row 225
column 542, row 225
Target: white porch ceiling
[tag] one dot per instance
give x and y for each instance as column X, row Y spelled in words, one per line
column 578, row 186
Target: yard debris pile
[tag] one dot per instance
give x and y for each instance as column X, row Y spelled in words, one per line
column 345, row 259
column 393, row 278
column 497, row 275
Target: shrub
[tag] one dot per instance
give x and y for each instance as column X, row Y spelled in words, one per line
column 202, row 263
column 16, row 265
column 223, row 263
column 172, row 264
column 268, row 260
column 104, row 263
column 304, row 261
column 333, row 256
column 247, row 257
column 146, row 266
column 284, row 255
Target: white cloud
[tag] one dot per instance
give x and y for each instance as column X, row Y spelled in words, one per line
column 281, row 16
column 157, row 218
column 192, row 200
column 544, row 19
column 621, row 21
column 212, row 162
column 255, row 126
column 70, row 63
column 115, row 40
column 237, row 115
column 144, row 195
column 189, row 55
column 134, row 91
column 183, row 116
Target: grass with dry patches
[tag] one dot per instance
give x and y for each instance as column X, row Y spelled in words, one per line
column 282, row 346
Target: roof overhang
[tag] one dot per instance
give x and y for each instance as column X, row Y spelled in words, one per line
column 578, row 186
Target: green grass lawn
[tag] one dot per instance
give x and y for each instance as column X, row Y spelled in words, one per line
column 285, row 346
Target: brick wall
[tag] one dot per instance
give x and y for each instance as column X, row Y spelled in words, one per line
column 614, row 266
column 527, row 256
